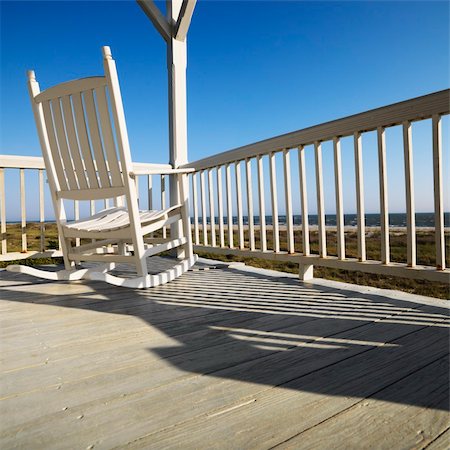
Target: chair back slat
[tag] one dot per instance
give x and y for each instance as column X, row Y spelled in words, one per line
column 61, row 136
column 96, row 142
column 54, row 150
column 84, row 141
column 108, row 136
column 80, row 171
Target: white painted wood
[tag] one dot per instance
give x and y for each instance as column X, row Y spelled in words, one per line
column 120, row 226
column 304, row 200
column 250, row 212
column 288, row 199
column 409, row 190
column 360, row 209
column 195, row 207
column 163, row 201
column 438, row 193
column 85, row 147
column 229, row 206
column 220, row 206
column 274, row 198
column 136, row 182
column 73, row 143
column 70, row 87
column 150, row 192
column 415, row 109
column 384, row 214
column 4, row 250
column 320, row 201
column 184, row 19
column 237, row 172
column 23, row 210
column 41, row 211
column 158, row 20
column 212, row 213
column 203, row 203
column 262, row 204
column 339, row 198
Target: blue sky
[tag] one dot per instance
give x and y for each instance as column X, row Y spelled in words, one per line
column 255, row 70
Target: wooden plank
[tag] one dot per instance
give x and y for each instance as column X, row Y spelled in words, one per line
column 304, row 200
column 85, row 146
column 409, row 190
column 220, row 206
column 360, row 209
column 414, row 109
column 73, row 143
column 56, row 157
column 76, row 213
column 23, row 210
column 150, row 192
column 108, row 137
column 69, row 88
column 203, row 203
column 212, row 214
column 339, row 198
column 69, row 169
column 195, row 207
column 320, row 200
column 163, row 201
column 274, row 198
column 390, row 423
column 237, row 172
column 438, row 193
column 229, row 206
column 288, row 199
column 94, row 133
column 384, row 213
column 250, row 212
column 3, row 212
column 21, row 162
column 262, row 205
column 41, row 212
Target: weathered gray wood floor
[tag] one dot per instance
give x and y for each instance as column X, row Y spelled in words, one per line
column 221, row 359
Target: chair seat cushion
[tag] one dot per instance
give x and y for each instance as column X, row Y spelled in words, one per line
column 111, row 219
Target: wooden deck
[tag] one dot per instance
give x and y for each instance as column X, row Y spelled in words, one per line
column 221, row 358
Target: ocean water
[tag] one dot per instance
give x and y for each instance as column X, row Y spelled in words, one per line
column 423, row 220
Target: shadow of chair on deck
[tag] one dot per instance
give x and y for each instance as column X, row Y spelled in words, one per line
column 254, row 328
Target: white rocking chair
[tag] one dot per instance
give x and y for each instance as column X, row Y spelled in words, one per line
column 87, row 158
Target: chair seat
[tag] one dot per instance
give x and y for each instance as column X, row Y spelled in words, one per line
column 112, row 219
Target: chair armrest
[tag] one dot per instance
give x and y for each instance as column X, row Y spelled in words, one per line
column 157, row 171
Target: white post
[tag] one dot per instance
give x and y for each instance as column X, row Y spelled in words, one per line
column 176, row 67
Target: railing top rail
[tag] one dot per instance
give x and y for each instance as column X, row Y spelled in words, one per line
column 418, row 108
column 37, row 162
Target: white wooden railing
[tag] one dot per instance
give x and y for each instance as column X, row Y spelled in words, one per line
column 208, row 191
column 218, row 183
column 25, row 165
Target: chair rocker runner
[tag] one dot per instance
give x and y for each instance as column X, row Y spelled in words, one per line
column 87, row 158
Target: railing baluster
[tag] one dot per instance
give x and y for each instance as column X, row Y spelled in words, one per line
column 273, row 190
column 203, row 203
column 320, row 201
column 3, row 212
column 163, row 202
column 304, row 200
column 229, row 206
column 359, row 179
column 195, row 207
column 76, row 213
column 384, row 215
column 150, row 191
column 288, row 197
column 262, row 205
column 251, row 225
column 23, row 211
column 339, row 200
column 237, row 172
column 212, row 219
column 220, row 206
column 438, row 193
column 409, row 190
column 41, row 211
